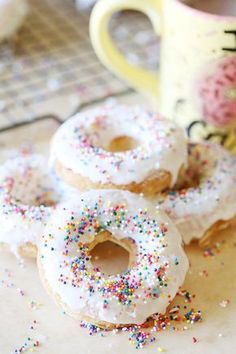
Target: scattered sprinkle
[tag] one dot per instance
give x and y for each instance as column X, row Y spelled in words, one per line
column 30, row 343
column 20, row 291
column 214, row 250
column 224, row 303
column 204, row 273
column 140, row 336
column 33, row 305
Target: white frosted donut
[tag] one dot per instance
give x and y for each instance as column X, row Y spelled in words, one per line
column 12, row 14
column 28, row 191
column 80, row 150
column 198, row 209
column 157, row 269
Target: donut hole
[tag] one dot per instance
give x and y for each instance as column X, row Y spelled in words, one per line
column 110, row 257
column 122, row 143
column 31, row 191
column 35, row 198
column 188, row 179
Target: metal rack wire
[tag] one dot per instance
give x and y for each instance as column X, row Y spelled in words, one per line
column 52, row 61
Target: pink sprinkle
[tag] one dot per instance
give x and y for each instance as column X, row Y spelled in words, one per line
column 21, row 292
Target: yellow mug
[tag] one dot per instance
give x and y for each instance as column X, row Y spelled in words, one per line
column 196, row 82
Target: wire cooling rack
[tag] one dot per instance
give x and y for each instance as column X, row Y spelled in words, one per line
column 51, row 68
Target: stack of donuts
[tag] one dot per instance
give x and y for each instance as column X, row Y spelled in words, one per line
column 121, row 174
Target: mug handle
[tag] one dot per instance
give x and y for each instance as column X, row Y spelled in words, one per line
column 147, row 82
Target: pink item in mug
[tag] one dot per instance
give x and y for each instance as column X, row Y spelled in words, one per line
column 217, row 93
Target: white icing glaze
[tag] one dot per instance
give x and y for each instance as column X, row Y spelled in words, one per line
column 195, row 210
column 12, row 14
column 26, row 186
column 144, row 289
column 80, row 145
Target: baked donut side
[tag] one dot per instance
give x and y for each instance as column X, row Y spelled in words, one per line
column 82, row 155
column 157, row 266
column 155, row 183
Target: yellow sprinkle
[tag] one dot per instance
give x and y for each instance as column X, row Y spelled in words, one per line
column 161, row 350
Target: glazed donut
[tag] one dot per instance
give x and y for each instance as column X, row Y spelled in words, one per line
column 209, row 206
column 12, row 14
column 157, row 268
column 83, row 157
column 28, row 190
